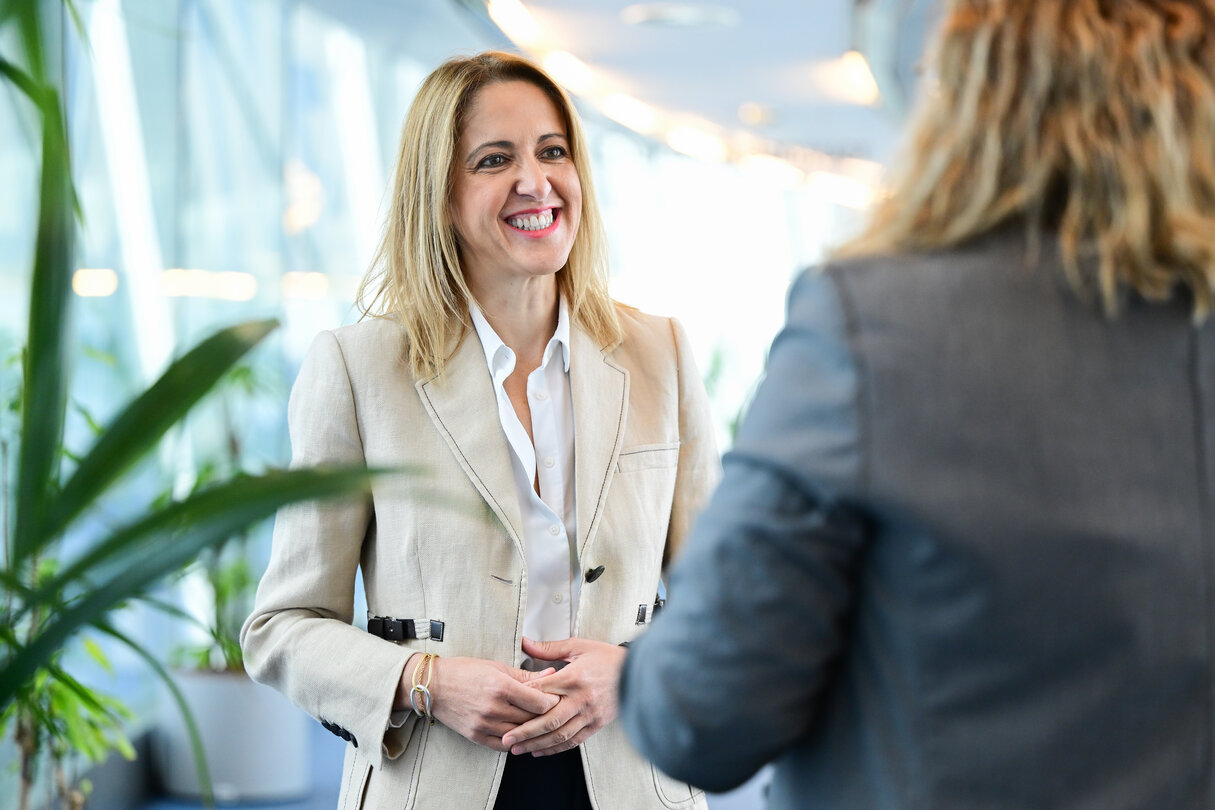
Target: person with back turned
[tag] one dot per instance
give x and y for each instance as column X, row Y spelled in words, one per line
column 963, row 552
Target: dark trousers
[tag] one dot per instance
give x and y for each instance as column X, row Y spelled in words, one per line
column 552, row 783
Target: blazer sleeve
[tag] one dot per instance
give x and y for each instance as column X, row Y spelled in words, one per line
column 731, row 672
column 300, row 638
column 699, row 463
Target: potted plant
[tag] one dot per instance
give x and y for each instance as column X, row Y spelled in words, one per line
column 57, row 722
column 46, row 597
column 269, row 760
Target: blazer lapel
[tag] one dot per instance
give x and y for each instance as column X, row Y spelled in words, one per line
column 462, row 404
column 600, row 390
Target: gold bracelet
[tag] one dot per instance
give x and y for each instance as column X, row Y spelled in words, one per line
column 426, row 665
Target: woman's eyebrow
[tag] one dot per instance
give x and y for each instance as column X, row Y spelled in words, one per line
column 494, row 144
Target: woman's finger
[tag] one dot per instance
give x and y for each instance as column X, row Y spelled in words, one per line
column 551, row 722
column 560, row 739
column 532, row 701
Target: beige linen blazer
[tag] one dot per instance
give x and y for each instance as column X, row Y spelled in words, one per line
column 444, row 544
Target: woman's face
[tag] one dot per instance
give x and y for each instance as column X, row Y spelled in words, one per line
column 516, row 200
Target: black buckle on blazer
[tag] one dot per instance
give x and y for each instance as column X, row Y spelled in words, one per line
column 646, row 613
column 392, row 629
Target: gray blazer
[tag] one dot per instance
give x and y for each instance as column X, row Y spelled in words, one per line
column 962, row 555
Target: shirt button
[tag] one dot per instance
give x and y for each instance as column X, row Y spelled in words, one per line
column 541, row 395
column 557, row 598
column 554, row 530
column 549, row 463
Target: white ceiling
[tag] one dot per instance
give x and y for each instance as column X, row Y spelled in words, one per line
column 774, row 55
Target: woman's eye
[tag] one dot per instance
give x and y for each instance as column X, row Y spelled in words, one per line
column 554, row 152
column 491, row 161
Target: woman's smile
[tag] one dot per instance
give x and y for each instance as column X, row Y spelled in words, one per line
column 535, row 224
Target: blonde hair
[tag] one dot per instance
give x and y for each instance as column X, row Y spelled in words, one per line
column 416, row 274
column 1095, row 117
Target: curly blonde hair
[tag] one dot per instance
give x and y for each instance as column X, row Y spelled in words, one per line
column 416, row 274
column 1092, row 117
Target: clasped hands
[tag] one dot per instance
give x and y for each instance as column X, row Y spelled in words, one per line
column 541, row 713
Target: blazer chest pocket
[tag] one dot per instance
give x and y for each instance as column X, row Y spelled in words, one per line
column 648, row 457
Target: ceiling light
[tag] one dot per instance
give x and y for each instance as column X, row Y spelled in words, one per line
column 682, row 15
column 94, row 282
column 754, row 114
column 847, row 79
column 570, row 71
column 636, row 115
column 698, row 144
column 515, row 21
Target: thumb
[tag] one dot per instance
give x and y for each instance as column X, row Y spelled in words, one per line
column 562, row 650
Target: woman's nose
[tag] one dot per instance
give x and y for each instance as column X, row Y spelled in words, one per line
column 533, row 180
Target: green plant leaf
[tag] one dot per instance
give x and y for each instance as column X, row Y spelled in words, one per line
column 83, row 719
column 82, row 31
column 29, row 30
column 223, row 509
column 95, row 652
column 141, row 425
column 170, row 609
column 123, row 744
column 93, row 424
column 23, row 81
column 46, row 571
column 12, row 583
column 139, row 555
column 196, row 746
column 52, row 673
column 103, row 357
column 46, row 362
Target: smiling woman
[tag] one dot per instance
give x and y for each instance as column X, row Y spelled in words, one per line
column 495, row 359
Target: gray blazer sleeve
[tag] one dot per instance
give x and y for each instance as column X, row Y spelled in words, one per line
column 733, row 669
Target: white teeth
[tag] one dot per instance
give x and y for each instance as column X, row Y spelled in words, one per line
column 532, row 222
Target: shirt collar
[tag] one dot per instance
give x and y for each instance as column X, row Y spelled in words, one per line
column 498, row 356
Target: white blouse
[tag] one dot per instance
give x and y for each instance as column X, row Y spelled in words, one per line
column 549, row 530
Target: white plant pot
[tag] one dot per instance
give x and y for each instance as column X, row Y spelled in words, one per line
column 256, row 741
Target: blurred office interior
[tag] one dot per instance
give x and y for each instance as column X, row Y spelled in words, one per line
column 232, row 157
